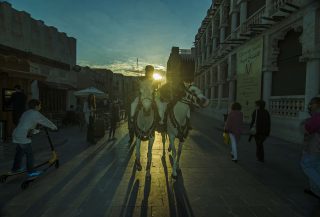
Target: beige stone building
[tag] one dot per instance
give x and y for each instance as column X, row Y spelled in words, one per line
column 181, row 63
column 261, row 49
column 37, row 57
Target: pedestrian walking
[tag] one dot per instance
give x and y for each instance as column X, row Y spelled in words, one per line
column 310, row 161
column 260, row 128
column 115, row 113
column 233, row 127
column 21, row 136
column 18, row 102
column 89, row 109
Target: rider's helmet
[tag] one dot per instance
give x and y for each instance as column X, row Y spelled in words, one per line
column 149, row 71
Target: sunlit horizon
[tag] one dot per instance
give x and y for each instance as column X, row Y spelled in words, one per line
column 113, row 34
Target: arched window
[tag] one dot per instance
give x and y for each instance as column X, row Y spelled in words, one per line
column 291, row 77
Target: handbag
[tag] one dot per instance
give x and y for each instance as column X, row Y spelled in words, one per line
column 253, row 129
column 226, row 138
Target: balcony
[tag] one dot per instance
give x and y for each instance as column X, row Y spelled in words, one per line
column 281, row 7
column 251, row 25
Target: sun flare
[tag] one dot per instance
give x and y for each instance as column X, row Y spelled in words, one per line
column 157, row 76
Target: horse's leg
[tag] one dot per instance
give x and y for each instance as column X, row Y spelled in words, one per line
column 133, row 108
column 178, row 155
column 161, row 109
column 150, row 145
column 169, row 148
column 174, row 156
column 138, row 163
column 163, row 136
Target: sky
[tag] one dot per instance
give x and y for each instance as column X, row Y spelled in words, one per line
column 114, row 33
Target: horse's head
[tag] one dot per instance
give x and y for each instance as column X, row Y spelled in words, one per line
column 200, row 99
column 146, row 97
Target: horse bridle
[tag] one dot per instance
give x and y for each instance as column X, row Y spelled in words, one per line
column 189, row 99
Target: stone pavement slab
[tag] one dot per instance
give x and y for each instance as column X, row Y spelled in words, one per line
column 102, row 181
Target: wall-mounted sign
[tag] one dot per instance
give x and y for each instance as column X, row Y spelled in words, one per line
column 249, row 67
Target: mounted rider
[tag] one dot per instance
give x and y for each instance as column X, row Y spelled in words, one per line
column 174, row 90
column 145, row 81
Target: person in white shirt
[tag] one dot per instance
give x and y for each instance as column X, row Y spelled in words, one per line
column 89, row 109
column 20, row 136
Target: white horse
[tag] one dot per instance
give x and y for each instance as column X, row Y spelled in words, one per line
column 177, row 116
column 145, row 120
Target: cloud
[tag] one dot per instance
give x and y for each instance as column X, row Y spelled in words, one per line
column 128, row 68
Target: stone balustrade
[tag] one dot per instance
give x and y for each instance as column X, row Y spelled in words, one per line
column 288, row 106
column 255, row 18
column 277, row 4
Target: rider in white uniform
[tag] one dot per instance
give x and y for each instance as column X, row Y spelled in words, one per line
column 148, row 79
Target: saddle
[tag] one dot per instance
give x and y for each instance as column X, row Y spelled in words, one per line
column 183, row 130
column 144, row 136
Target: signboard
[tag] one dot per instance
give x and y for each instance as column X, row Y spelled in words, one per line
column 249, row 67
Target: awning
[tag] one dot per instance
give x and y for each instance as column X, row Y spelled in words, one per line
column 54, row 85
column 11, row 73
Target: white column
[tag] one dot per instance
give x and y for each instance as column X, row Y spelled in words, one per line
column 267, row 87
column 214, row 44
column 222, row 34
column 243, row 11
column 231, row 71
column 206, row 44
column 212, row 92
column 34, row 90
column 269, row 4
column 312, row 80
column 203, row 49
column 234, row 21
column 222, row 23
column 310, row 53
column 220, row 89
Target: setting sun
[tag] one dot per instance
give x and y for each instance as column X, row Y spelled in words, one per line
column 157, row 76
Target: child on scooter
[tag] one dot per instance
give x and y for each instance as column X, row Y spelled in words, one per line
column 21, row 136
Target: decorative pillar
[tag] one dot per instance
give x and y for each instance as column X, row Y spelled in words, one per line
column 267, row 87
column 269, row 4
column 310, row 52
column 34, row 90
column 222, row 23
column 243, row 11
column 234, row 21
column 234, row 18
column 312, row 80
column 215, row 32
column 220, row 87
column 222, row 33
column 231, row 71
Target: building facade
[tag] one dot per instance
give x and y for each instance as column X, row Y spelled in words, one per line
column 261, row 49
column 37, row 57
column 181, row 63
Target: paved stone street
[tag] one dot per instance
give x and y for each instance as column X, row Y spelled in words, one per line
column 101, row 180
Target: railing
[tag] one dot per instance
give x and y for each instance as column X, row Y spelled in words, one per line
column 288, row 106
column 223, row 47
column 224, row 103
column 277, row 4
column 213, row 103
column 255, row 18
column 184, row 51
